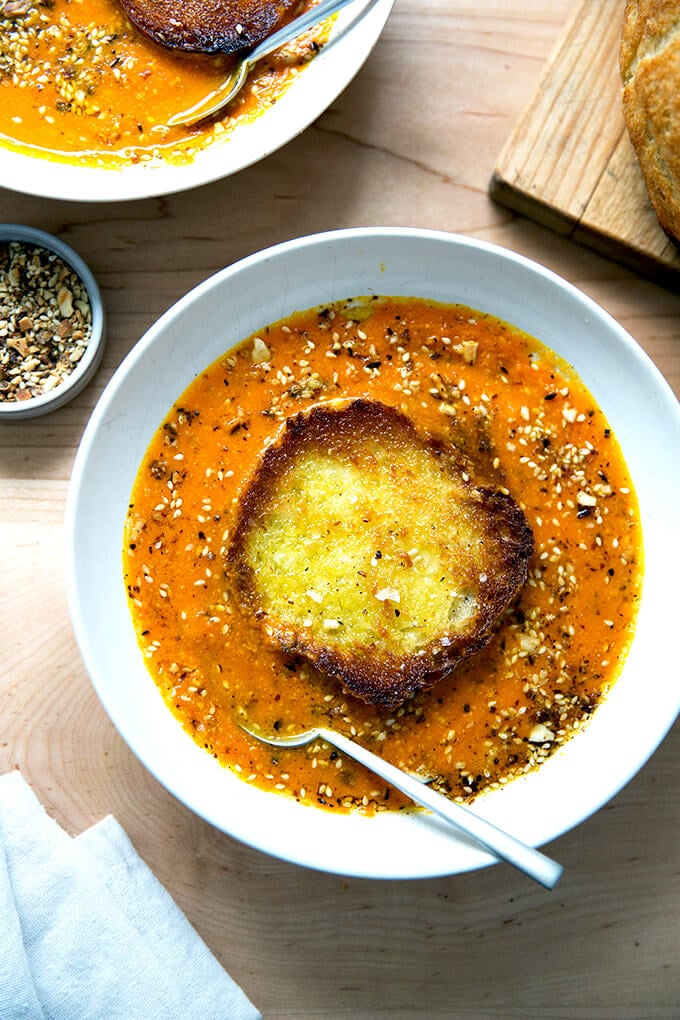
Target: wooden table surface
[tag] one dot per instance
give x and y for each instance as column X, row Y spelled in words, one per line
column 412, row 141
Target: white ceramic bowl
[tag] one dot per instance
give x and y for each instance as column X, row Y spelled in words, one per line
column 89, row 363
column 263, row 288
column 354, row 34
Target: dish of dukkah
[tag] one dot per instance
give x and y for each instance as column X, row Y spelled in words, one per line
column 405, row 520
column 46, row 317
column 80, row 82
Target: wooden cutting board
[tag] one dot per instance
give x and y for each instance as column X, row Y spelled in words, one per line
column 569, row 163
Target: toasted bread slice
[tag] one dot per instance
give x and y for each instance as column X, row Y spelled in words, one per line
column 208, row 26
column 367, row 549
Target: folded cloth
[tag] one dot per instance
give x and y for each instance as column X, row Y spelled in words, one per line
column 87, row 931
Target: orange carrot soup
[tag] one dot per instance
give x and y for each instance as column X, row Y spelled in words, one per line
column 79, row 83
column 465, row 379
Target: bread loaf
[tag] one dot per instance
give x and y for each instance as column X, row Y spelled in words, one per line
column 650, row 69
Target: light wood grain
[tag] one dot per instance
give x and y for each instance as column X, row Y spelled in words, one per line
column 412, row 141
column 569, row 163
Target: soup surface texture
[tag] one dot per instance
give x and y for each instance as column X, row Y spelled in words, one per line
column 79, row 82
column 530, row 427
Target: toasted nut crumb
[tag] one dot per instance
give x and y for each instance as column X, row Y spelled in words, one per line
column 39, row 346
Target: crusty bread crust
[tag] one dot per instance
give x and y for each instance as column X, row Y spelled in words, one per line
column 650, row 70
column 368, row 549
column 208, row 26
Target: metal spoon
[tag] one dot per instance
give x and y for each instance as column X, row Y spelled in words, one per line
column 504, row 846
column 224, row 93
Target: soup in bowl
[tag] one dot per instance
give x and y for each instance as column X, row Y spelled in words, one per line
column 389, row 481
column 87, row 100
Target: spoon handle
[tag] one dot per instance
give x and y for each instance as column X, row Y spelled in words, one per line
column 504, row 846
column 294, row 28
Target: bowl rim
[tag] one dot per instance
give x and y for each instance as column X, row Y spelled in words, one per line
column 509, row 262
column 88, row 364
column 355, row 34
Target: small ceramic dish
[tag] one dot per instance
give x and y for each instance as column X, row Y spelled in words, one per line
column 45, row 300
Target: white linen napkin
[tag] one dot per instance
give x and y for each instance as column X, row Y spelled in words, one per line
column 87, row 931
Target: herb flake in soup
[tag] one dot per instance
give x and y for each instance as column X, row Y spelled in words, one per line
column 467, row 380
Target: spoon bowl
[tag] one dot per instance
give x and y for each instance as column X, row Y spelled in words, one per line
column 501, row 844
column 216, row 101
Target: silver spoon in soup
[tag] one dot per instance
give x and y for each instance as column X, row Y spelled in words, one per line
column 248, row 29
column 501, row 844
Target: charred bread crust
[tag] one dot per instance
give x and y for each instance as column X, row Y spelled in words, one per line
column 374, row 667
column 208, row 26
column 650, row 69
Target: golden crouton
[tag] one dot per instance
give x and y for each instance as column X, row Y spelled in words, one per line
column 369, row 550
